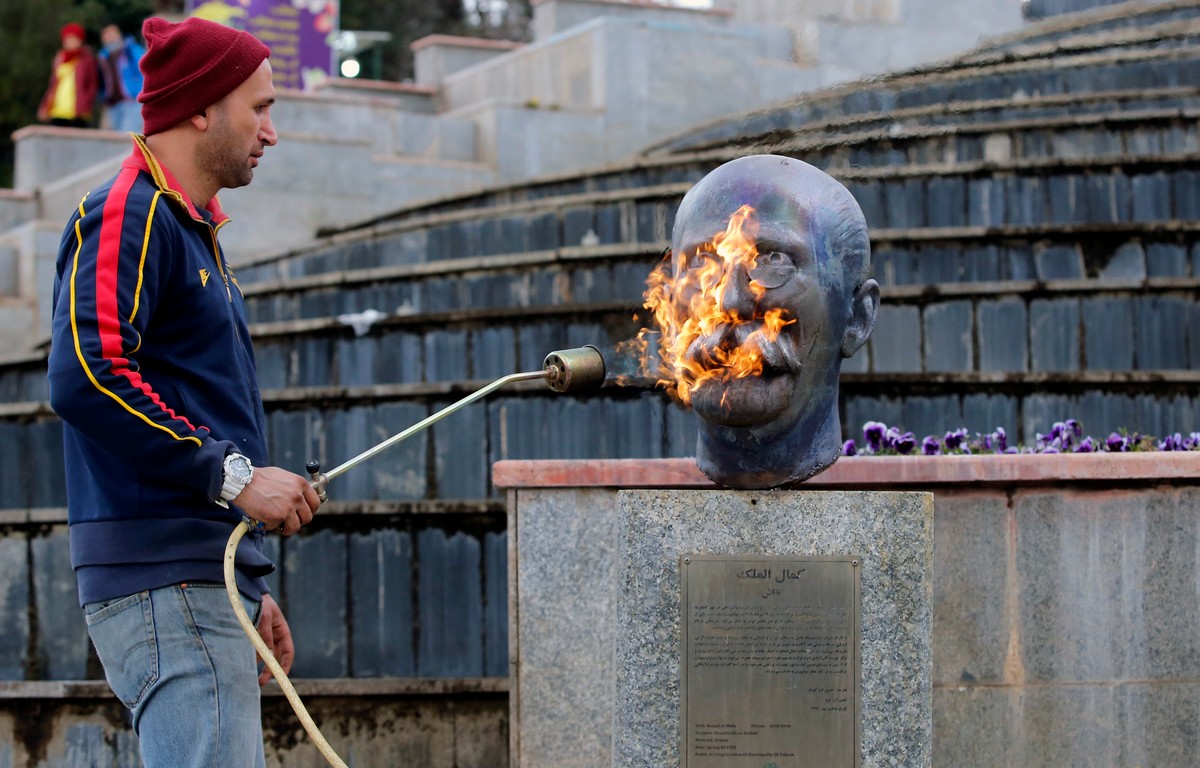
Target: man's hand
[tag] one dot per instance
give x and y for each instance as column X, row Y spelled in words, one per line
column 280, row 500
column 275, row 633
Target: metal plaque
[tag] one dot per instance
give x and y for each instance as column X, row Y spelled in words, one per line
column 769, row 661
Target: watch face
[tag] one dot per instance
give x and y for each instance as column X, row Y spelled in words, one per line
column 239, row 469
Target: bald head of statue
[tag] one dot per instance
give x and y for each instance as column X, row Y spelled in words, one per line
column 812, row 264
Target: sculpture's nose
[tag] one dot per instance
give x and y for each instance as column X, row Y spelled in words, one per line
column 737, row 298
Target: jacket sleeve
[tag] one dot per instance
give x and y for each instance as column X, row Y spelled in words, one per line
column 113, row 268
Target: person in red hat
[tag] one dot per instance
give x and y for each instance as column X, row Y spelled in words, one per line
column 152, row 370
column 73, row 82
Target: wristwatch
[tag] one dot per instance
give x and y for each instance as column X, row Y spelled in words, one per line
column 238, row 474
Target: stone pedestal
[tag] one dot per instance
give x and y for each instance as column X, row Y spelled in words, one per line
column 595, row 597
column 891, row 532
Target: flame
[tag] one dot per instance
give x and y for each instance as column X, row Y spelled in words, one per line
column 691, row 299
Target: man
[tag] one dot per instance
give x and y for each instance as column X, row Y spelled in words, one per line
column 152, row 371
column 120, row 79
column 804, row 261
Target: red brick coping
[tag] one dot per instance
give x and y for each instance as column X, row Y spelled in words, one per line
column 872, row 471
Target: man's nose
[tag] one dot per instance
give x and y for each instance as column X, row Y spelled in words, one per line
column 737, row 298
column 266, row 133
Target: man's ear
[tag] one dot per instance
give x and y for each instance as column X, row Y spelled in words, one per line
column 200, row 121
column 862, row 317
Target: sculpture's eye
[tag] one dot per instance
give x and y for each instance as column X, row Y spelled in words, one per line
column 772, row 269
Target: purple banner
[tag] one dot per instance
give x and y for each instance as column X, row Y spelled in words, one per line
column 300, row 33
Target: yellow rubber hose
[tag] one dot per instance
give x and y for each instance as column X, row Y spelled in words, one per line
column 260, row 645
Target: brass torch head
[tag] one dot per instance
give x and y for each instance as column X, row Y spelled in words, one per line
column 575, row 370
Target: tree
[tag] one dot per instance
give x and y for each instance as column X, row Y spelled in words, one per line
column 29, row 39
column 410, row 20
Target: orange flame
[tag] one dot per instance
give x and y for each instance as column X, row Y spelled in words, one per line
column 691, row 301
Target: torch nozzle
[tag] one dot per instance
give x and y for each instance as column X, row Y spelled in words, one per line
column 574, row 370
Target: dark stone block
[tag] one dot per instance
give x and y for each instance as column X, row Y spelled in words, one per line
column 892, row 267
column 356, row 361
column 903, row 202
column 935, row 264
column 62, row 648
column 861, row 409
column 315, row 362
column 608, row 224
column 1039, row 412
column 460, row 453
column 1059, row 262
column 1102, row 413
column 292, row 439
column 544, row 232
column 1017, row 263
column 1128, row 262
column 48, row 485
column 400, row 471
column 536, row 340
column 948, row 343
column 1002, row 335
column 1108, row 334
column 1061, row 195
column 577, row 222
column 381, row 573
column 931, row 416
column 1025, row 200
column 1054, row 335
column 399, row 358
column 1166, row 260
column 446, row 356
column 1161, row 335
column 870, row 199
column 493, row 352
column 1151, row 195
column 630, row 429
column 982, row 263
column 14, row 607
column 682, row 430
column 317, row 569
column 895, row 344
column 1185, row 189
column 985, row 202
column 983, row 413
column 449, row 605
column 495, row 604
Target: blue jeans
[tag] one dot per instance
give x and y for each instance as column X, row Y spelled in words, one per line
column 178, row 659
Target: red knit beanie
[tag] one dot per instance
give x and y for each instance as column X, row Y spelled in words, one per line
column 190, row 66
column 72, row 29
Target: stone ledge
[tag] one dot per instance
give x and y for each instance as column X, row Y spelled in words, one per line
column 353, row 687
column 873, row 471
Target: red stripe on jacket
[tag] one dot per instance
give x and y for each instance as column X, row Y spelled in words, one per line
column 108, row 321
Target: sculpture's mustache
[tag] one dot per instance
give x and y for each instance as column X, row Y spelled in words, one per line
column 780, row 355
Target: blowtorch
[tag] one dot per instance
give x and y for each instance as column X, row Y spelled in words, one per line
column 568, row 370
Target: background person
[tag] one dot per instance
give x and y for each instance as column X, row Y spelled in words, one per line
column 152, row 371
column 120, row 79
column 72, row 89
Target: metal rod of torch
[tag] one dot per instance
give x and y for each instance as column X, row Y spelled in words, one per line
column 567, row 370
column 429, row 420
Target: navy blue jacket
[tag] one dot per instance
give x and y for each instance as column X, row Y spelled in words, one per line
column 152, row 372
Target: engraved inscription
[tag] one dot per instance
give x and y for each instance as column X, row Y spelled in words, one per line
column 769, row 664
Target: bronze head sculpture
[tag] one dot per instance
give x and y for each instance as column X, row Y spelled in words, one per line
column 767, row 292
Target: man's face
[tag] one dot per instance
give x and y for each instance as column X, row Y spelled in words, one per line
column 110, row 37
column 793, row 275
column 239, row 128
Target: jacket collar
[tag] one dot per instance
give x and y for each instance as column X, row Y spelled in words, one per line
column 142, row 159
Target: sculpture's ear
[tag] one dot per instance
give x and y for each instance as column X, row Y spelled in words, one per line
column 862, row 317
